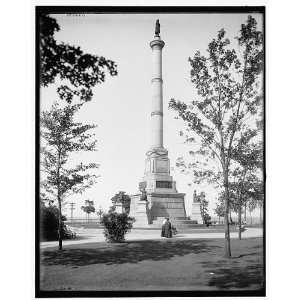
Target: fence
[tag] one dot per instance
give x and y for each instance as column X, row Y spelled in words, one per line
column 82, row 221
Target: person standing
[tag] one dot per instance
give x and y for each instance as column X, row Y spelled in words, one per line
column 167, row 229
column 163, row 227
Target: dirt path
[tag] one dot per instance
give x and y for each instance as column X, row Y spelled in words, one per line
column 96, row 235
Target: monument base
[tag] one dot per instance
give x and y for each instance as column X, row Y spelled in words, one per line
column 157, row 206
column 168, row 205
column 139, row 210
column 196, row 213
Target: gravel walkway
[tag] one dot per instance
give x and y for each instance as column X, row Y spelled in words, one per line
column 96, row 235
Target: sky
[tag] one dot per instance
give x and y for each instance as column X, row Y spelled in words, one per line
column 121, row 105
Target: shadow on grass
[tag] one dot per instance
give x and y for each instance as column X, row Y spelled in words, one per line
column 127, row 252
column 236, row 273
column 237, row 277
column 246, row 254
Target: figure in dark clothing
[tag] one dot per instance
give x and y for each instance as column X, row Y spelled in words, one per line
column 166, row 230
column 163, row 227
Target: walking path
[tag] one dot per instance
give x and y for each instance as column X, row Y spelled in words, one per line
column 96, row 235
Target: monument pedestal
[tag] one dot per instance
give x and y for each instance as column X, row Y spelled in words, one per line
column 166, row 205
column 140, row 211
column 157, row 206
column 196, row 213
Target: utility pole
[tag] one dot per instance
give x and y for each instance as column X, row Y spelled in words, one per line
column 72, row 204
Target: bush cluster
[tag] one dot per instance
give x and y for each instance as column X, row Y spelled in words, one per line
column 49, row 224
column 116, row 226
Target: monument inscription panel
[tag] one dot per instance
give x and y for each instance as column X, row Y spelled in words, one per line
column 164, row 184
column 162, row 166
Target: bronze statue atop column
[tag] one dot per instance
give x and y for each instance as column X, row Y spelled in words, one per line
column 157, row 28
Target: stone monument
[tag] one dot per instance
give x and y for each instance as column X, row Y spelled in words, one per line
column 162, row 199
column 196, row 206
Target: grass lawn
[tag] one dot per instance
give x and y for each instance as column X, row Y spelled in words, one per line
column 168, row 264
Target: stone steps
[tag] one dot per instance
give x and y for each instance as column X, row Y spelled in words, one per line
column 178, row 222
column 179, row 226
column 172, row 218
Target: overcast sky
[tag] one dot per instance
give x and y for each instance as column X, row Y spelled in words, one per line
column 121, row 105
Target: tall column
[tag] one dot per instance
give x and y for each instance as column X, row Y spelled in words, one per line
column 162, row 199
column 157, row 94
column 157, row 164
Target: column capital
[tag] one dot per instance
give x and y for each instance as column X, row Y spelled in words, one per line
column 156, row 79
column 157, row 42
column 157, row 152
column 157, row 112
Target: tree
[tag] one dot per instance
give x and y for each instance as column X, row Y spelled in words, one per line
column 204, row 208
column 231, row 207
column 246, row 182
column 122, row 198
column 79, row 72
column 228, row 86
column 88, row 208
column 220, row 210
column 252, row 204
column 76, row 73
column 100, row 213
column 60, row 138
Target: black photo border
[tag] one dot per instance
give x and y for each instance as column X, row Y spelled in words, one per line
column 134, row 10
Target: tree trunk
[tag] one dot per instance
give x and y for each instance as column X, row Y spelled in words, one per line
column 250, row 217
column 246, row 212
column 219, row 220
column 226, row 221
column 60, row 233
column 240, row 221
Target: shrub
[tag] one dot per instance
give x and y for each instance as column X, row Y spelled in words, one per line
column 207, row 219
column 116, row 226
column 49, row 224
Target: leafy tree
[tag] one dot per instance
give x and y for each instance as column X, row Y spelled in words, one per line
column 79, row 72
column 207, row 219
column 100, row 213
column 252, row 205
column 44, row 199
column 204, row 208
column 222, row 197
column 112, row 209
column 76, row 73
column 61, row 136
column 122, row 198
column 220, row 210
column 88, row 208
column 228, row 84
column 246, row 182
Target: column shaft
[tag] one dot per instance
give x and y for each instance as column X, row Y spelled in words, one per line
column 157, row 95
